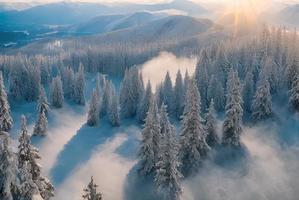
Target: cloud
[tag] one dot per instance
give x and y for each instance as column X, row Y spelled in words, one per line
column 271, row 174
column 156, row 68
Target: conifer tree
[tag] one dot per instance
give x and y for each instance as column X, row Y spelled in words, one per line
column 40, row 128
column 90, row 192
column 69, row 83
column 6, row 121
column 145, row 103
column 106, row 98
column 262, row 102
column 179, row 95
column 131, row 92
column 42, row 104
column 232, row 128
column 202, row 82
column 8, row 169
column 80, row 86
column 167, row 176
column 248, row 91
column 93, row 112
column 27, row 157
column 294, row 93
column 211, row 123
column 216, row 92
column 57, row 92
column 43, row 108
column 113, row 109
column 168, row 93
column 193, row 143
column 151, row 136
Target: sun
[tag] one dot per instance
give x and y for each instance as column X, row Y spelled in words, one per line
column 243, row 14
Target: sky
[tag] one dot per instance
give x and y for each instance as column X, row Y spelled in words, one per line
column 144, row 1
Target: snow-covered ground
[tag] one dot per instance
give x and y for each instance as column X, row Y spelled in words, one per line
column 72, row 151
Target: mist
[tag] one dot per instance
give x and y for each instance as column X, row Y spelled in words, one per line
column 270, row 172
column 156, row 68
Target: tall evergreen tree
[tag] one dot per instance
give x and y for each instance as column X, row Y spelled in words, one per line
column 193, row 143
column 168, row 93
column 80, row 87
column 113, row 109
column 27, row 157
column 145, row 103
column 106, row 98
column 69, row 83
column 202, row 82
column 216, row 92
column 40, row 127
column 42, row 104
column 90, row 192
column 294, row 93
column 179, row 95
column 6, row 121
column 151, row 136
column 211, row 126
column 248, row 91
column 167, row 177
column 131, row 92
column 232, row 128
column 57, row 92
column 93, row 112
column 262, row 102
column 8, row 169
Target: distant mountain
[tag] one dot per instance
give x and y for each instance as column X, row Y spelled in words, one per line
column 167, row 28
column 108, row 23
column 65, row 13
column 289, row 16
column 8, row 6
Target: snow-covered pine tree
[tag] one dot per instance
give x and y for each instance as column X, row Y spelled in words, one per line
column 131, row 92
column 145, row 103
column 159, row 94
column 79, row 97
column 248, row 91
column 69, row 83
column 90, row 192
column 232, row 128
column 93, row 112
column 8, row 169
column 167, row 176
column 179, row 96
column 168, row 97
column 105, row 98
column 42, row 104
column 202, row 81
column 262, row 102
column 27, row 157
column 294, row 93
column 40, row 127
column 6, row 121
column 113, row 109
column 57, row 92
column 151, row 136
column 193, row 143
column 211, row 126
column 27, row 189
column 216, row 92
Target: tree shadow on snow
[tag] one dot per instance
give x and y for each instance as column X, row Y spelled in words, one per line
column 139, row 187
column 79, row 149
